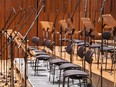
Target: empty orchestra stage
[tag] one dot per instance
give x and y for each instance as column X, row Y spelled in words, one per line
column 57, row 43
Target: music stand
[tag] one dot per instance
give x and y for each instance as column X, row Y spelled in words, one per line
column 63, row 24
column 87, row 26
column 63, row 27
column 109, row 20
column 47, row 27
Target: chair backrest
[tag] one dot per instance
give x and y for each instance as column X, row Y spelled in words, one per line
column 69, row 48
column 43, row 42
column 80, row 51
column 88, row 56
column 107, row 35
column 48, row 42
column 35, row 40
column 51, row 45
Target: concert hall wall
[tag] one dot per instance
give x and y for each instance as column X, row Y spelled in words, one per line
column 49, row 13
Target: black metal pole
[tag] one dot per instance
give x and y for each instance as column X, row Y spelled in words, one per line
column 1, row 52
column 85, row 14
column 100, row 19
column 12, row 62
column 26, row 66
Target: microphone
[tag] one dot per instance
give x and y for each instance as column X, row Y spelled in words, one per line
column 13, row 10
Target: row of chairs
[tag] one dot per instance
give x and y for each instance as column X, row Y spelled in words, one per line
column 40, row 54
column 70, row 70
column 107, row 49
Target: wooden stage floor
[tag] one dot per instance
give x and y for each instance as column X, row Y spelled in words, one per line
column 43, row 81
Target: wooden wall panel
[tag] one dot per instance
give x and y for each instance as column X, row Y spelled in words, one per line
column 50, row 12
column 1, row 15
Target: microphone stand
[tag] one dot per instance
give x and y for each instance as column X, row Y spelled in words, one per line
column 85, row 13
column 2, row 53
column 17, row 31
column 114, row 60
column 10, row 41
column 102, row 53
column 9, row 17
column 71, row 38
column 11, row 46
column 5, row 43
column 26, row 49
column 20, row 27
column 53, row 32
column 31, row 25
column 61, row 31
column 70, row 25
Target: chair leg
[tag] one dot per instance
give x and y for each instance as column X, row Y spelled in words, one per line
column 95, row 53
column 80, row 82
column 68, row 83
column 32, row 64
column 59, row 78
column 47, row 65
column 72, row 81
column 98, row 59
column 63, row 81
column 106, row 60
column 112, row 64
column 35, row 67
column 53, row 73
column 50, row 71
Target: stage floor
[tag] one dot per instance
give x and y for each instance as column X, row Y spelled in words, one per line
column 42, row 79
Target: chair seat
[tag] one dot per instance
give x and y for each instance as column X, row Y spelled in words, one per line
column 69, row 73
column 111, row 51
column 43, row 57
column 77, row 41
column 95, row 46
column 40, row 53
column 106, row 49
column 36, row 50
column 68, row 66
column 57, row 61
column 32, row 48
column 82, row 43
